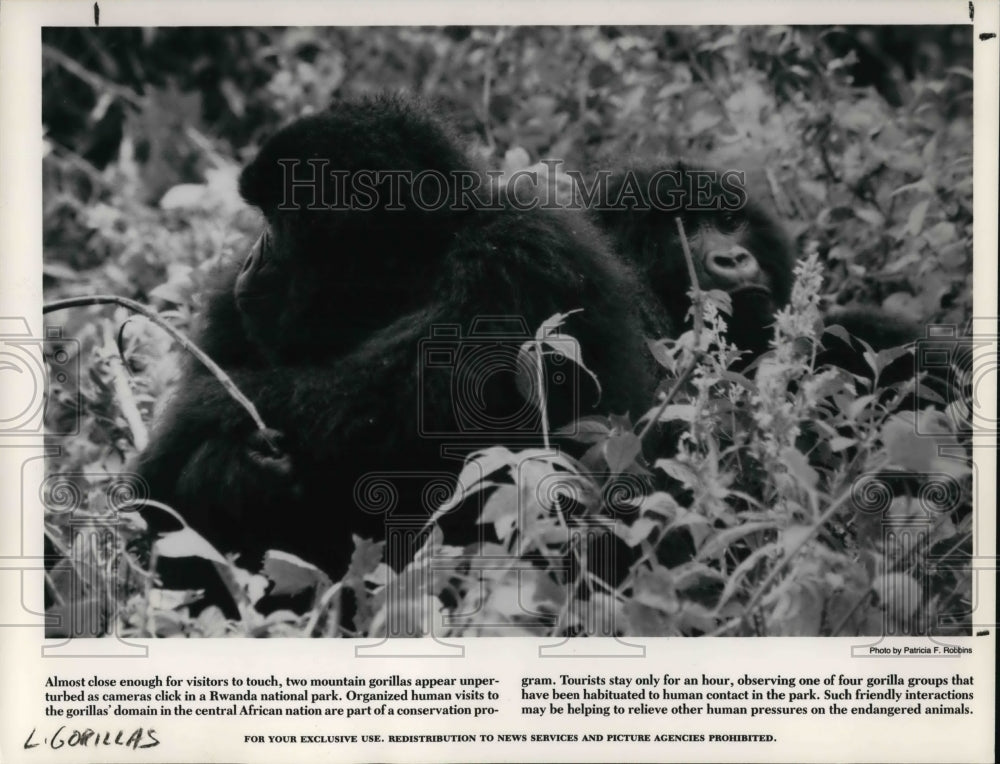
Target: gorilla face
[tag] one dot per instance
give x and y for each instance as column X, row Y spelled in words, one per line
column 735, row 246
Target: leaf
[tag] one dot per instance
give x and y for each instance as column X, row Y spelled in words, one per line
column 915, row 220
column 839, row 443
column 793, row 536
column 661, row 354
column 621, row 450
column 526, row 379
column 61, row 272
column 212, row 623
column 886, row 357
column 552, row 341
column 904, row 304
column 920, row 185
column 475, row 473
column 292, row 575
column 738, row 379
column 516, row 158
column 724, row 41
column 672, row 89
column 171, row 291
column 840, row 252
column 549, row 594
column 858, row 405
column 720, row 299
column 660, row 503
column 683, row 412
column 927, row 393
column 905, row 263
column 870, row 216
column 798, row 466
column 695, row 575
column 186, row 196
column 589, row 429
column 722, row 540
column 637, row 532
column 366, row 558
column 907, row 449
column 187, row 543
column 857, row 119
column 697, row 525
column 553, row 322
column 655, row 589
column 679, row 472
column 814, row 189
column 940, row 234
column 915, row 442
column 703, row 121
column 501, row 510
column 839, row 332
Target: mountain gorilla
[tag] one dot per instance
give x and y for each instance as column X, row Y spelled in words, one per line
column 736, row 246
column 325, row 325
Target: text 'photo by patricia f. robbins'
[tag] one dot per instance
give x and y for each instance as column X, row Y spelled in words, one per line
column 396, row 336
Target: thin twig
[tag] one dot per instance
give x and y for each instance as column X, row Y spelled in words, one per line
column 543, row 404
column 709, row 84
column 696, row 294
column 793, row 552
column 95, row 81
column 488, row 67
column 197, row 352
column 784, row 203
column 667, row 398
column 126, row 400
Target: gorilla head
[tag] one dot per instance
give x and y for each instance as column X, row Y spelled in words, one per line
column 736, row 246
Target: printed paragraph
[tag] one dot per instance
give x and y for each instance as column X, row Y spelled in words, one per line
column 346, row 696
column 745, row 695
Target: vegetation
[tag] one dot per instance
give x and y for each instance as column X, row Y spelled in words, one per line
column 784, row 479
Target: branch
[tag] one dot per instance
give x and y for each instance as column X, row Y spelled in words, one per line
column 667, row 398
column 156, row 318
column 696, row 296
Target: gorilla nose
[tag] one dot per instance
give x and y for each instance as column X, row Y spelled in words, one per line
column 734, row 265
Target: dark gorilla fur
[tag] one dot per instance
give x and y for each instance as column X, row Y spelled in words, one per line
column 736, row 245
column 322, row 326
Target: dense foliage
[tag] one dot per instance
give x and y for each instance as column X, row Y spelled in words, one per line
column 861, row 140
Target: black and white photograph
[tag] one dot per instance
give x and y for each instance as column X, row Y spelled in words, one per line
column 579, row 338
column 579, row 331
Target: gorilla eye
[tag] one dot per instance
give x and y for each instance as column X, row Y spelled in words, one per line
column 730, row 222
